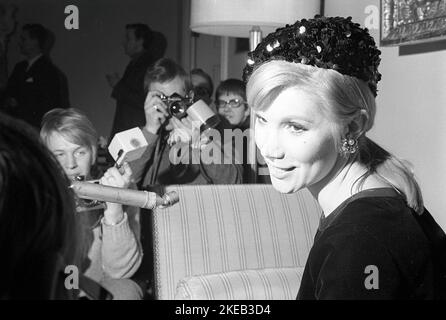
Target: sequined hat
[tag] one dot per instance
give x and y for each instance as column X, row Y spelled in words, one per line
column 324, row 42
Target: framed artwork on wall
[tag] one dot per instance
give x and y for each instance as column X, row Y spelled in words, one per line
column 412, row 21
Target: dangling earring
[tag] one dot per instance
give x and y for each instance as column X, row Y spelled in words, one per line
column 349, row 146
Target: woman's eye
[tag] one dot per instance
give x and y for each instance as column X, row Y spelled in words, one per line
column 295, row 127
column 58, row 155
column 81, row 153
column 260, row 119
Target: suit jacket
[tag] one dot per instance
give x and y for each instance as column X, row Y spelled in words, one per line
column 130, row 94
column 37, row 90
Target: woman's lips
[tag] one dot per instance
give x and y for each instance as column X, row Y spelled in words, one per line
column 279, row 172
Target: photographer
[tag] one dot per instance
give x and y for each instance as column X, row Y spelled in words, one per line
column 168, row 135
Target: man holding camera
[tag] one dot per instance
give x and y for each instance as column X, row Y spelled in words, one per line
column 173, row 135
column 170, row 131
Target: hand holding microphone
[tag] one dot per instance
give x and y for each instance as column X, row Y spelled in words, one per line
column 126, row 146
column 113, row 190
column 135, row 198
column 119, row 178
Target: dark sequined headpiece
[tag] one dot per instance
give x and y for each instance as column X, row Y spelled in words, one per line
column 324, row 42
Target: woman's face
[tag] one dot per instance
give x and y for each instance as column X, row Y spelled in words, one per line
column 235, row 114
column 296, row 141
column 76, row 160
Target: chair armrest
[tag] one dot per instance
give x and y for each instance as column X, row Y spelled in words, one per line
column 255, row 284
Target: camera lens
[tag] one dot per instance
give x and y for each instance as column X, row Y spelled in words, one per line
column 178, row 109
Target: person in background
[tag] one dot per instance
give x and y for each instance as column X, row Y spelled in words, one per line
column 8, row 21
column 110, row 237
column 36, row 85
column 155, row 167
column 230, row 100
column 202, row 85
column 169, row 156
column 38, row 227
column 144, row 46
column 312, row 86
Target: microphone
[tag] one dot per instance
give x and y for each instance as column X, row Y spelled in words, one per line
column 127, row 145
column 129, row 197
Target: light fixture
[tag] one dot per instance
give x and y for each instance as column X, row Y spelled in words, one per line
column 249, row 18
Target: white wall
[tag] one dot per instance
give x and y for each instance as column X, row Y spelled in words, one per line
column 411, row 103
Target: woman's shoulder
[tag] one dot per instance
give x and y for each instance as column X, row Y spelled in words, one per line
column 385, row 221
column 380, row 212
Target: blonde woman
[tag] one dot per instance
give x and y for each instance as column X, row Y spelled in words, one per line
column 312, row 86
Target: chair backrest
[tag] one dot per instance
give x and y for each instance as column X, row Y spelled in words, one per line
column 223, row 228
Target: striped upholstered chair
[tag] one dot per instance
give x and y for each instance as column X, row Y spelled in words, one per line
column 233, row 242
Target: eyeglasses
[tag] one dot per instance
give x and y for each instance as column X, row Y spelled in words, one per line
column 233, row 103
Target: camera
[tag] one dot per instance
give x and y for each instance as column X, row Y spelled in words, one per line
column 198, row 111
column 177, row 105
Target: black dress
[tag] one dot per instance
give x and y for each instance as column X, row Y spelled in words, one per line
column 373, row 246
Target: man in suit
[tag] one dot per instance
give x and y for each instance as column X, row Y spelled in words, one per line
column 35, row 85
column 144, row 46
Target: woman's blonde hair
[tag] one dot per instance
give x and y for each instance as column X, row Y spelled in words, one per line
column 342, row 99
